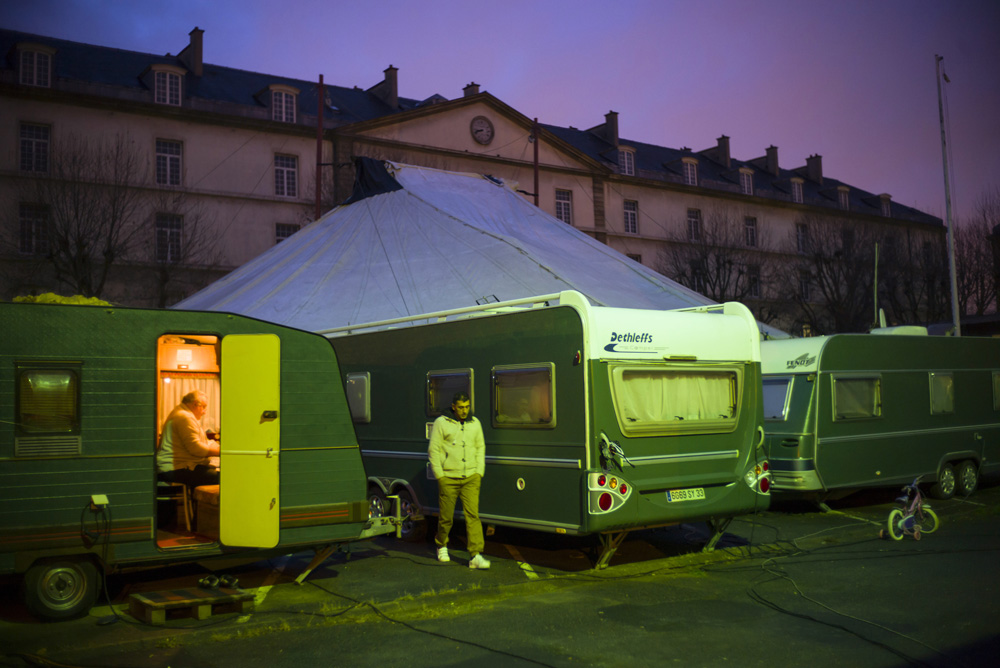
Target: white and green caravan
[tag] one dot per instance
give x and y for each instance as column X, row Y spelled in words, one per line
column 849, row 411
column 597, row 420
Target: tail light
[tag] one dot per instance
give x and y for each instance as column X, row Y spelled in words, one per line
column 606, row 493
column 759, row 478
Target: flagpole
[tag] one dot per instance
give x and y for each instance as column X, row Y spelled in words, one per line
column 947, row 204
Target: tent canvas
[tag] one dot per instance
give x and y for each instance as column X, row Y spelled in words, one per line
column 415, row 240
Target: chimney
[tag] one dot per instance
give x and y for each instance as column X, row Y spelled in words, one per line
column 191, row 56
column 387, row 90
column 471, row 89
column 611, row 128
column 722, row 151
column 814, row 168
column 772, row 160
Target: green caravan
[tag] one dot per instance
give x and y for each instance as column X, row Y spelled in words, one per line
column 848, row 411
column 597, row 420
column 84, row 391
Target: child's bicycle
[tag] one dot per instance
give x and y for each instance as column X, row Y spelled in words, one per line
column 913, row 517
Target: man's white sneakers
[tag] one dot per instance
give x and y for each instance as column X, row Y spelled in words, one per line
column 479, row 561
column 443, row 555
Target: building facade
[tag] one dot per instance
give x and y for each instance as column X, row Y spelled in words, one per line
column 193, row 169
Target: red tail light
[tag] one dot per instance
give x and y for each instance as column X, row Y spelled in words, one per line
column 765, row 484
column 605, row 501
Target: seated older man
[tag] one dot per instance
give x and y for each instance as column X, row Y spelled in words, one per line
column 184, row 450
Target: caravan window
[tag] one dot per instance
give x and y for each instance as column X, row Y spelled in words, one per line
column 661, row 400
column 524, row 396
column 942, row 388
column 441, row 389
column 996, row 390
column 48, row 400
column 359, row 396
column 857, row 397
column 776, row 393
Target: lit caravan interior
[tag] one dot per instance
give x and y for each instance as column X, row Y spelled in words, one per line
column 185, row 363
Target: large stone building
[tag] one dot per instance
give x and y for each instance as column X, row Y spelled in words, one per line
column 199, row 168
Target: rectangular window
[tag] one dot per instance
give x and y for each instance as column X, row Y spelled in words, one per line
column 358, row 388
column 284, row 230
column 34, row 148
column 634, row 256
column 886, row 207
column 34, row 232
column 797, row 192
column 48, row 400
column 694, row 224
column 631, row 217
column 524, row 396
column 169, row 233
column 698, row 274
column 167, row 88
column 750, row 231
column 802, row 237
column 690, row 174
column 441, row 389
column 36, row 68
column 564, row 206
column 282, row 107
column 804, row 285
column 996, row 390
column 168, row 162
column 286, row 175
column 857, row 397
column 753, row 281
column 626, row 161
column 776, row 393
column 746, row 183
column 942, row 389
column 659, row 400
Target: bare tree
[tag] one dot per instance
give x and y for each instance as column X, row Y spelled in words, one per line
column 91, row 199
column 913, row 276
column 831, row 284
column 185, row 246
column 974, row 265
column 724, row 256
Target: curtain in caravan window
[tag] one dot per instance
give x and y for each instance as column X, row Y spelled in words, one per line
column 668, row 396
column 856, row 398
column 173, row 387
column 942, row 393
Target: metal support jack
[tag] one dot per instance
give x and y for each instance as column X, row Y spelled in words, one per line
column 609, row 544
column 718, row 527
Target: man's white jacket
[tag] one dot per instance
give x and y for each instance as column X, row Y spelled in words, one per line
column 457, row 449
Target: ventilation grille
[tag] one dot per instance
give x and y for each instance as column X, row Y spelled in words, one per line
column 47, row 446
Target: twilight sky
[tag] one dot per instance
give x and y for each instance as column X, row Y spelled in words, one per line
column 851, row 80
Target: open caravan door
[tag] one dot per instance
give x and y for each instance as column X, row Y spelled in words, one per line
column 249, row 505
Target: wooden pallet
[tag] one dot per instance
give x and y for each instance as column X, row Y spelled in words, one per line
column 153, row 607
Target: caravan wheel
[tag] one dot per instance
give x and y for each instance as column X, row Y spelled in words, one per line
column 413, row 530
column 61, row 589
column 967, row 478
column 944, row 488
column 376, row 503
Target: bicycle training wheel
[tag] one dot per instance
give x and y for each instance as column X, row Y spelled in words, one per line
column 896, row 524
column 929, row 521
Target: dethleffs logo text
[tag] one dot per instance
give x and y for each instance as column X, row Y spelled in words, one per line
column 629, row 337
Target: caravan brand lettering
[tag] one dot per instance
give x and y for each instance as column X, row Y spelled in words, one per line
column 801, row 360
column 631, row 337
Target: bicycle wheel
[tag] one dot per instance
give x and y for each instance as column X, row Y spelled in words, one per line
column 896, row 524
column 928, row 520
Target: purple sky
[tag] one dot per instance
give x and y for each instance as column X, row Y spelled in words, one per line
column 851, row 80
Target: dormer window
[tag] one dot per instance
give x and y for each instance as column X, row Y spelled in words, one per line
column 886, row 206
column 797, row 191
column 843, row 198
column 167, row 85
column 690, row 172
column 626, row 162
column 746, row 181
column 36, row 66
column 283, row 103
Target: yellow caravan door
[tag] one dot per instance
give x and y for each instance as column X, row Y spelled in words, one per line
column 249, row 506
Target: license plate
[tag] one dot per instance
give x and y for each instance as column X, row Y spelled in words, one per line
column 690, row 494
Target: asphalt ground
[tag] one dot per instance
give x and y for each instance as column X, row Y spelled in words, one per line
column 791, row 586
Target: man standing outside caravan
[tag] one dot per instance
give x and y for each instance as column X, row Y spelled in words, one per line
column 184, row 449
column 458, row 461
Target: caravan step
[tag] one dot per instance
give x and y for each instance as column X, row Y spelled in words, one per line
column 152, row 607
